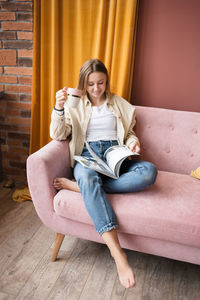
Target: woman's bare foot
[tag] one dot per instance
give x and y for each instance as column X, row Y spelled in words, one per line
column 125, row 272
column 65, row 183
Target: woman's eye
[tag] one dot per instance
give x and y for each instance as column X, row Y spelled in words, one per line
column 99, row 83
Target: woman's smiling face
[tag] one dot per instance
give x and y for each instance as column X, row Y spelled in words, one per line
column 96, row 85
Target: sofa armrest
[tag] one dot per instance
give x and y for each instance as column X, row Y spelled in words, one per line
column 43, row 166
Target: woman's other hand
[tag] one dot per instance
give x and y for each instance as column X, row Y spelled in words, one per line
column 135, row 147
column 61, row 96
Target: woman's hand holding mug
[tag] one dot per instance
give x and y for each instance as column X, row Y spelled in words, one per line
column 61, row 97
column 72, row 95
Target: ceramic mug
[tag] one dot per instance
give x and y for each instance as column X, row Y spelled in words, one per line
column 73, row 97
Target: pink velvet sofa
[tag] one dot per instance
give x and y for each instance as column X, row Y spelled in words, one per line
column 163, row 220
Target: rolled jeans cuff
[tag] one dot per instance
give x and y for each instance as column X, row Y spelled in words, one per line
column 107, row 228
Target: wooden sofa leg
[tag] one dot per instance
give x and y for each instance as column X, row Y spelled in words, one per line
column 58, row 242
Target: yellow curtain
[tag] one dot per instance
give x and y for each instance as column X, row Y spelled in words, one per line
column 66, row 34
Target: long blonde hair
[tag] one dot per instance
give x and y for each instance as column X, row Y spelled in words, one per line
column 90, row 66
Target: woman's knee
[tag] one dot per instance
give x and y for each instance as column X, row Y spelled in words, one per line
column 151, row 173
column 85, row 176
column 89, row 180
column 80, row 171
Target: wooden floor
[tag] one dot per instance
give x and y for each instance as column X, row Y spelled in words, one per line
column 84, row 269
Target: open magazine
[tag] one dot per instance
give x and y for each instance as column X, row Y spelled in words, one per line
column 110, row 165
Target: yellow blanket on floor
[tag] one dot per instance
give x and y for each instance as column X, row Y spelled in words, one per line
column 21, row 195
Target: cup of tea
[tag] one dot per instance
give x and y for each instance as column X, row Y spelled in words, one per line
column 73, row 97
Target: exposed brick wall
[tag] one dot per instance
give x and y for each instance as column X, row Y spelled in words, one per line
column 16, row 42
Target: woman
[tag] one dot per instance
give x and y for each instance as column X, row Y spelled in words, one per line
column 102, row 119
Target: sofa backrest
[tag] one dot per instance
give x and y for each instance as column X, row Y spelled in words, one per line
column 169, row 138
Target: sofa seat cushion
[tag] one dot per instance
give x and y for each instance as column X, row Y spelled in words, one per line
column 169, row 210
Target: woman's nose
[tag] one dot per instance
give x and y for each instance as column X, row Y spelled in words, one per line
column 96, row 86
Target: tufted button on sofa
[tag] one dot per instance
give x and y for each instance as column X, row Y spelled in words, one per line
column 163, row 220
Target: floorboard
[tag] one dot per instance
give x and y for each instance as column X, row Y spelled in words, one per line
column 84, row 270
column 101, row 278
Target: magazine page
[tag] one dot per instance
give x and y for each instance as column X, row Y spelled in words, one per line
column 115, row 155
column 92, row 164
column 98, row 159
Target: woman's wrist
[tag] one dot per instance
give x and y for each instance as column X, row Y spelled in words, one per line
column 62, row 109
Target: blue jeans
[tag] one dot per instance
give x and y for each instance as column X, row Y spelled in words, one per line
column 134, row 176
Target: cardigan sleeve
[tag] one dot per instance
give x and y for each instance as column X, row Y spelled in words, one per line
column 131, row 136
column 60, row 127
